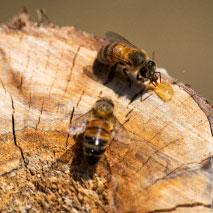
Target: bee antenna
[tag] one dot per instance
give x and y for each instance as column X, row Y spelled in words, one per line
column 153, row 55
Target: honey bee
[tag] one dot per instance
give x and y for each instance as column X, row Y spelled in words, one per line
column 121, row 52
column 99, row 126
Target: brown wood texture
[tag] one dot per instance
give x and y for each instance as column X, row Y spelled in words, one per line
column 46, row 80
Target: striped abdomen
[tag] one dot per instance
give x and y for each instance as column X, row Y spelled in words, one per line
column 113, row 53
column 95, row 138
column 128, row 56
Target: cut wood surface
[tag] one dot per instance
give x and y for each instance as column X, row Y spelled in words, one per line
column 47, row 80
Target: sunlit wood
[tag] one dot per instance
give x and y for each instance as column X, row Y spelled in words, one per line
column 46, row 81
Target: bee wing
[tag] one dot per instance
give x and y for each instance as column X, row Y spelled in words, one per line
column 119, row 133
column 79, row 125
column 112, row 36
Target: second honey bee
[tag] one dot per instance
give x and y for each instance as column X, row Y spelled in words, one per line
column 121, row 52
column 99, row 126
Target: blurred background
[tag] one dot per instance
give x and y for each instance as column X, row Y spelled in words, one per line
column 180, row 32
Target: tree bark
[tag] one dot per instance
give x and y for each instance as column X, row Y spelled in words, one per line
column 47, row 80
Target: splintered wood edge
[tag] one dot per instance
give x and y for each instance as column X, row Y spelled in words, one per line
column 203, row 103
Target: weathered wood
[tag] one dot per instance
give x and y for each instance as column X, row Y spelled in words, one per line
column 167, row 166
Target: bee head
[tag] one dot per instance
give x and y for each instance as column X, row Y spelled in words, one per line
column 149, row 72
column 103, row 107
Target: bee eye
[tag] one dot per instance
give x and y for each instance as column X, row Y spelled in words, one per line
column 151, row 63
column 143, row 71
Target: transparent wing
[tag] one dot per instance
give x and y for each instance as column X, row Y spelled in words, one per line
column 112, row 36
column 119, row 133
column 79, row 125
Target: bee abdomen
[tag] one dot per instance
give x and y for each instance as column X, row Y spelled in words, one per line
column 102, row 54
column 94, row 149
column 94, row 146
column 113, row 53
column 95, row 139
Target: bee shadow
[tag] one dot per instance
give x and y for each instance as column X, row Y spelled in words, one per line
column 119, row 84
column 79, row 168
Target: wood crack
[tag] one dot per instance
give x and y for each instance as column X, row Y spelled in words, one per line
column 39, row 118
column 186, row 205
column 71, row 117
column 12, row 170
column 21, row 83
column 128, row 113
column 70, row 75
column 14, row 133
column 155, row 152
column 79, row 100
column 2, row 83
column 126, row 121
column 174, row 173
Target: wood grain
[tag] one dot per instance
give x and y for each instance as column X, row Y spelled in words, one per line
column 49, row 77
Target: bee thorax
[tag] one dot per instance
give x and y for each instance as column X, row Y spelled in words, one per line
column 137, row 58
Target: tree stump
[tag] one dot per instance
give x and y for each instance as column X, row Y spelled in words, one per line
column 46, row 82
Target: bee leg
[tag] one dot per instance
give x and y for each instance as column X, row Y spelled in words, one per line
column 111, row 73
column 159, row 73
column 127, row 77
column 140, row 93
column 140, row 78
